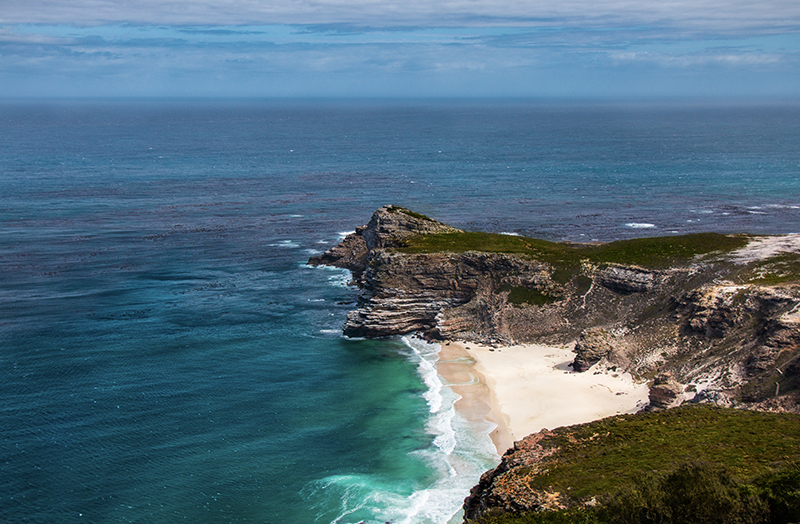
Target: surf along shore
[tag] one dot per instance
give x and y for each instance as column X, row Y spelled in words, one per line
column 525, row 388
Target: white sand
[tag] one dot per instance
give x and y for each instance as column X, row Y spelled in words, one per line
column 534, row 388
column 761, row 248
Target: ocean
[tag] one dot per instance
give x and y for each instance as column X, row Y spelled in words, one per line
column 166, row 355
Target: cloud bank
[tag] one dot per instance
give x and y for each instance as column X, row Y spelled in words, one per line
column 392, row 48
column 704, row 15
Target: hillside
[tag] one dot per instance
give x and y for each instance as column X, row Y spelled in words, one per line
column 688, row 464
column 705, row 317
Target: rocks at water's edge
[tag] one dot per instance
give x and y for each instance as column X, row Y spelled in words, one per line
column 692, row 332
column 721, row 343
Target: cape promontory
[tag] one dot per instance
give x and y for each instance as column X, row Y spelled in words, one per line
column 704, row 318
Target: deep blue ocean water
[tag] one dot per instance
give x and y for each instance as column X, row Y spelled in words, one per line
column 165, row 353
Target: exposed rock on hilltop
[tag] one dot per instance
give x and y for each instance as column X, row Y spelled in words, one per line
column 707, row 318
column 389, row 227
column 717, row 312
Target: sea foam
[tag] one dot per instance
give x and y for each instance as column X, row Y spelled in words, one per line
column 457, row 455
column 290, row 244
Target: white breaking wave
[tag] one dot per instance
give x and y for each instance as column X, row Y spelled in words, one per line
column 458, row 455
column 460, row 452
column 291, row 244
column 339, row 278
column 442, row 409
column 639, row 225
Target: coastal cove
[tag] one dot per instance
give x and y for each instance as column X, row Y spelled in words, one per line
column 643, row 309
column 531, row 387
column 169, row 354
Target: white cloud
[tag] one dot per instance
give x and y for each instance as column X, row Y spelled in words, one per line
column 458, row 47
column 704, row 15
column 711, row 58
column 7, row 35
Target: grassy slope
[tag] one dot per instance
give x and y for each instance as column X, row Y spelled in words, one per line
column 655, row 252
column 779, row 269
column 602, row 458
column 650, row 252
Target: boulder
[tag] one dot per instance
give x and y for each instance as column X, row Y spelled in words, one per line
column 592, row 346
column 665, row 393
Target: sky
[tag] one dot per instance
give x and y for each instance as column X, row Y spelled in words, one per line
column 739, row 49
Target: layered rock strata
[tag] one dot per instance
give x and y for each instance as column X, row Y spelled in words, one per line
column 720, row 342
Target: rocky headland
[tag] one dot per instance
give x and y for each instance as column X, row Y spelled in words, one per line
column 705, row 318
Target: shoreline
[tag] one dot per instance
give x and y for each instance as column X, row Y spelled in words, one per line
column 478, row 403
column 524, row 388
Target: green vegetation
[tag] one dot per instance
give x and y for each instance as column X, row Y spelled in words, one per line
column 696, row 464
column 780, row 269
column 398, row 209
column 652, row 252
column 523, row 295
column 696, row 493
column 664, row 251
column 603, row 456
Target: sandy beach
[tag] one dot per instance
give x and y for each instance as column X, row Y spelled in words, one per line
column 526, row 388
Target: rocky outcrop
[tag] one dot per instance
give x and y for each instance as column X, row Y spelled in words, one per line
column 413, row 292
column 748, row 336
column 505, row 489
column 593, row 344
column 721, row 342
column 711, row 310
column 389, row 227
column 443, row 295
column 351, row 253
column 665, row 393
column 630, row 279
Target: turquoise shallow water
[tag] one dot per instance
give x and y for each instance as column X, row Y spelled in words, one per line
column 168, row 356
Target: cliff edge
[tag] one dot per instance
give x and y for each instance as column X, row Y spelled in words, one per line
column 706, row 318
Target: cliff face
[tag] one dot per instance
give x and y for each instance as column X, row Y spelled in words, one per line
column 389, row 227
column 471, row 295
column 718, row 326
column 423, row 292
column 720, row 342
